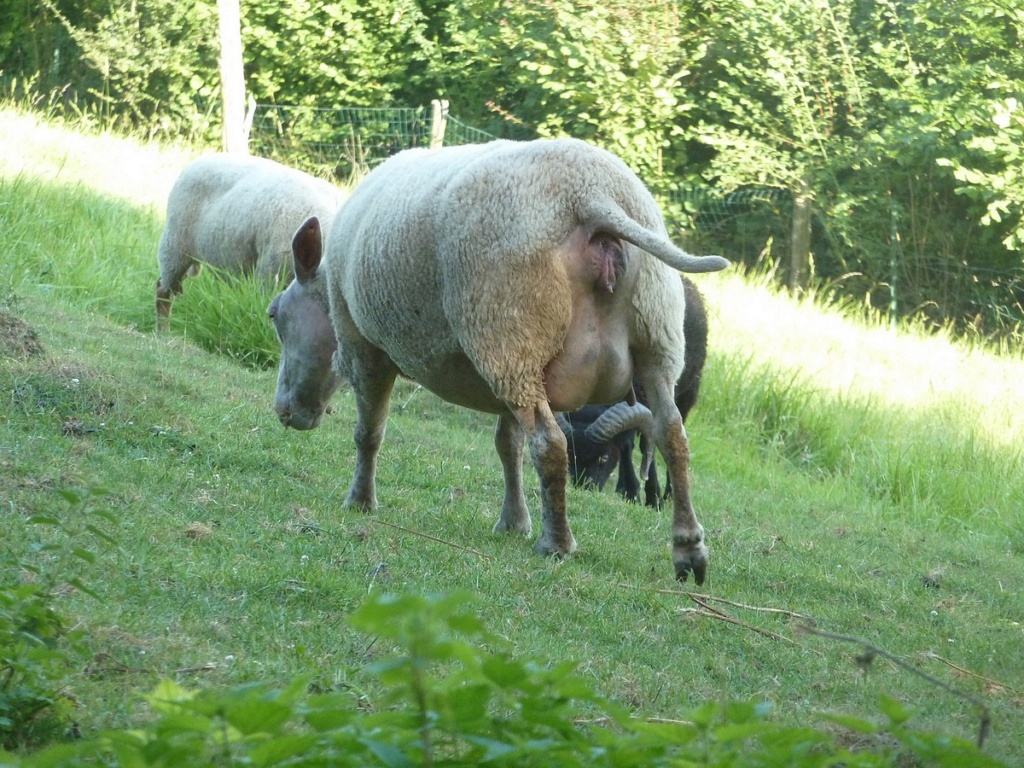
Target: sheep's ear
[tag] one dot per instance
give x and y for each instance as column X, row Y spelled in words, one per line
column 307, row 249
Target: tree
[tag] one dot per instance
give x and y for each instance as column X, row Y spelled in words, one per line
column 985, row 52
column 352, row 53
column 152, row 63
column 34, row 45
column 885, row 110
column 789, row 96
column 610, row 72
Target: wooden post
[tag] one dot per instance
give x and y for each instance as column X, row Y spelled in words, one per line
column 232, row 77
column 800, row 246
column 438, row 122
column 894, row 264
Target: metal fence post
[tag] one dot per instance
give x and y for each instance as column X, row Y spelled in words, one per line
column 438, row 122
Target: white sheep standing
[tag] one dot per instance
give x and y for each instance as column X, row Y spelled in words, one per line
column 518, row 278
column 237, row 213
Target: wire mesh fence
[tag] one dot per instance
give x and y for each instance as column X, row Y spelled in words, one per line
column 457, row 133
column 751, row 225
column 339, row 143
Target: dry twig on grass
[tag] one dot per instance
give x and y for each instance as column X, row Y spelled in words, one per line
column 605, row 720
column 705, row 611
column 871, row 651
column 975, row 675
column 697, row 596
column 422, row 535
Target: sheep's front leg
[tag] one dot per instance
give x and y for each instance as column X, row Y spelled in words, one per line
column 551, row 460
column 372, row 382
column 174, row 266
column 508, row 440
column 689, row 553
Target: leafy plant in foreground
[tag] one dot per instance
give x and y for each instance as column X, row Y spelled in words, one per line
column 449, row 698
column 35, row 641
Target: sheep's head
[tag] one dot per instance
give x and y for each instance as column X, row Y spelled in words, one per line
column 306, row 381
column 591, row 463
column 598, row 436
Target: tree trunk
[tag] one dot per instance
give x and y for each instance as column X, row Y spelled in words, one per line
column 800, row 254
column 232, row 77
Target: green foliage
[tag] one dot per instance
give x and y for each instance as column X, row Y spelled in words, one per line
column 344, row 53
column 870, row 105
column 968, row 62
column 36, row 644
column 611, row 73
column 1000, row 184
column 32, row 708
column 786, row 88
column 35, row 47
column 449, row 698
column 154, row 64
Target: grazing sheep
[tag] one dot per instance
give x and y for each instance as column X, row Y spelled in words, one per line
column 601, row 438
column 516, row 278
column 236, row 213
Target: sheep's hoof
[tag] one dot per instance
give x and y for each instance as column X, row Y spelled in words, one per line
column 363, row 505
column 504, row 526
column 548, row 548
column 690, row 558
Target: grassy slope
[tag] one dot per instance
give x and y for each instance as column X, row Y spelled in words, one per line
column 835, row 467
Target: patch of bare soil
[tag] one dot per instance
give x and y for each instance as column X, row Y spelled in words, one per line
column 17, row 338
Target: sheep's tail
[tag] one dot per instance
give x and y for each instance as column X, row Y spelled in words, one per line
column 607, row 216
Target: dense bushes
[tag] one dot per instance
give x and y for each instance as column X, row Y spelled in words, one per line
column 37, row 647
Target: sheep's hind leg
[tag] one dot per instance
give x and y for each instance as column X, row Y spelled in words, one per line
column 164, row 299
column 372, row 382
column 508, row 440
column 551, row 460
column 689, row 553
column 173, row 267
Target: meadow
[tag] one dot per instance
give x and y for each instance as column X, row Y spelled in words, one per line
column 861, row 480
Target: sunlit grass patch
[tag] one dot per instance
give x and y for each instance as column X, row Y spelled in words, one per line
column 106, row 163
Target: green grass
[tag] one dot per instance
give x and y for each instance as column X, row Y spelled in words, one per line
column 867, row 478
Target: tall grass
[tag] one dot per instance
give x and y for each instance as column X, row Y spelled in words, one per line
column 923, row 419
column 936, row 461
column 227, row 314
